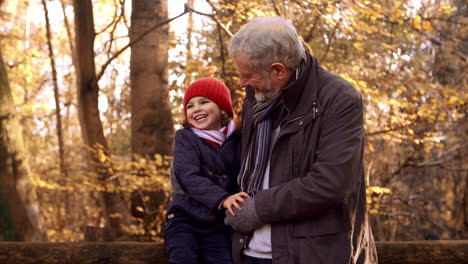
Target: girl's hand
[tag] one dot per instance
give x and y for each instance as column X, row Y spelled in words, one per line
column 234, row 200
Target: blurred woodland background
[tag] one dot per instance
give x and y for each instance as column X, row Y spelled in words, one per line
column 91, row 91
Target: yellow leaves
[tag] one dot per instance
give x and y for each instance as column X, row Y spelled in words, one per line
column 116, row 215
column 393, row 102
column 63, row 234
column 50, row 185
column 138, row 182
column 447, row 9
column 126, row 177
column 390, row 47
column 159, row 160
column 447, row 92
column 374, row 201
column 252, row 9
column 134, row 229
column 378, row 190
column 442, row 116
column 358, row 46
column 51, row 233
column 419, row 24
column 101, row 156
column 424, row 110
column 330, row 9
column 368, row 28
column 356, row 68
column 427, row 26
column 261, row 13
column 371, row 147
column 371, row 29
column 453, row 100
column 395, row 14
column 377, row 7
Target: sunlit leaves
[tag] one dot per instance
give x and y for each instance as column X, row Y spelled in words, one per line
column 401, row 55
column 375, row 200
column 447, row 9
column 358, row 46
column 142, row 175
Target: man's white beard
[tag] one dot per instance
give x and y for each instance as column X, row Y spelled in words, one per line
column 267, row 93
column 262, row 97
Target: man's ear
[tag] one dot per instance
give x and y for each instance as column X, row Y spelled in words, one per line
column 279, row 70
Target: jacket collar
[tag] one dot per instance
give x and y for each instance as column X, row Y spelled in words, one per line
column 301, row 88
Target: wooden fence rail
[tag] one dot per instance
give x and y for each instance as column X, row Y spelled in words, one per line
column 411, row 252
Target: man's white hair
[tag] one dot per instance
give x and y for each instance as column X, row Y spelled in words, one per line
column 268, row 40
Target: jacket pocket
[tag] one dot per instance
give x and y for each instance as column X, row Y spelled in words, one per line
column 334, row 220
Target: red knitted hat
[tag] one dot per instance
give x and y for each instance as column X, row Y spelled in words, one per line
column 212, row 89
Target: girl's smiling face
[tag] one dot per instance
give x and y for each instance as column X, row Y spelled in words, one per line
column 202, row 113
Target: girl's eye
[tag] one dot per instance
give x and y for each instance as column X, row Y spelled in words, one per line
column 189, row 106
column 205, row 102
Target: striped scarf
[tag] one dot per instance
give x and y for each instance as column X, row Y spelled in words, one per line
column 254, row 164
column 216, row 137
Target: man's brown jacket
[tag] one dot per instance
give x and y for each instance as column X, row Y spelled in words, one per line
column 316, row 203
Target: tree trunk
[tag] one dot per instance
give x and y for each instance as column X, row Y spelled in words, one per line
column 58, row 116
column 114, row 210
column 188, row 79
column 20, row 217
column 152, row 128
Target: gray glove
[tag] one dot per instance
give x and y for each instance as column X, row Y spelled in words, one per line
column 245, row 220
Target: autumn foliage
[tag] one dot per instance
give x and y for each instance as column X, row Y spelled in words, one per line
column 407, row 58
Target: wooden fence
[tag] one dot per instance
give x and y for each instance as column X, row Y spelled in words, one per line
column 411, row 252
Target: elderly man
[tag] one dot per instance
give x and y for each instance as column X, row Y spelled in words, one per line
column 302, row 155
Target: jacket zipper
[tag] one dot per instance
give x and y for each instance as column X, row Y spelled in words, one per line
column 314, row 109
column 314, row 115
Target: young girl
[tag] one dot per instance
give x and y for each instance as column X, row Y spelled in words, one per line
column 205, row 167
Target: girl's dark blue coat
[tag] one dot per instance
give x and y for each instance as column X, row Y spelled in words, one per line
column 203, row 175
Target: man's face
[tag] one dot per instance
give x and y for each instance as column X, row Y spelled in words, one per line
column 265, row 87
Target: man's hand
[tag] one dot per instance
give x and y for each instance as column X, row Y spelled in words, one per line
column 245, row 219
column 233, row 200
